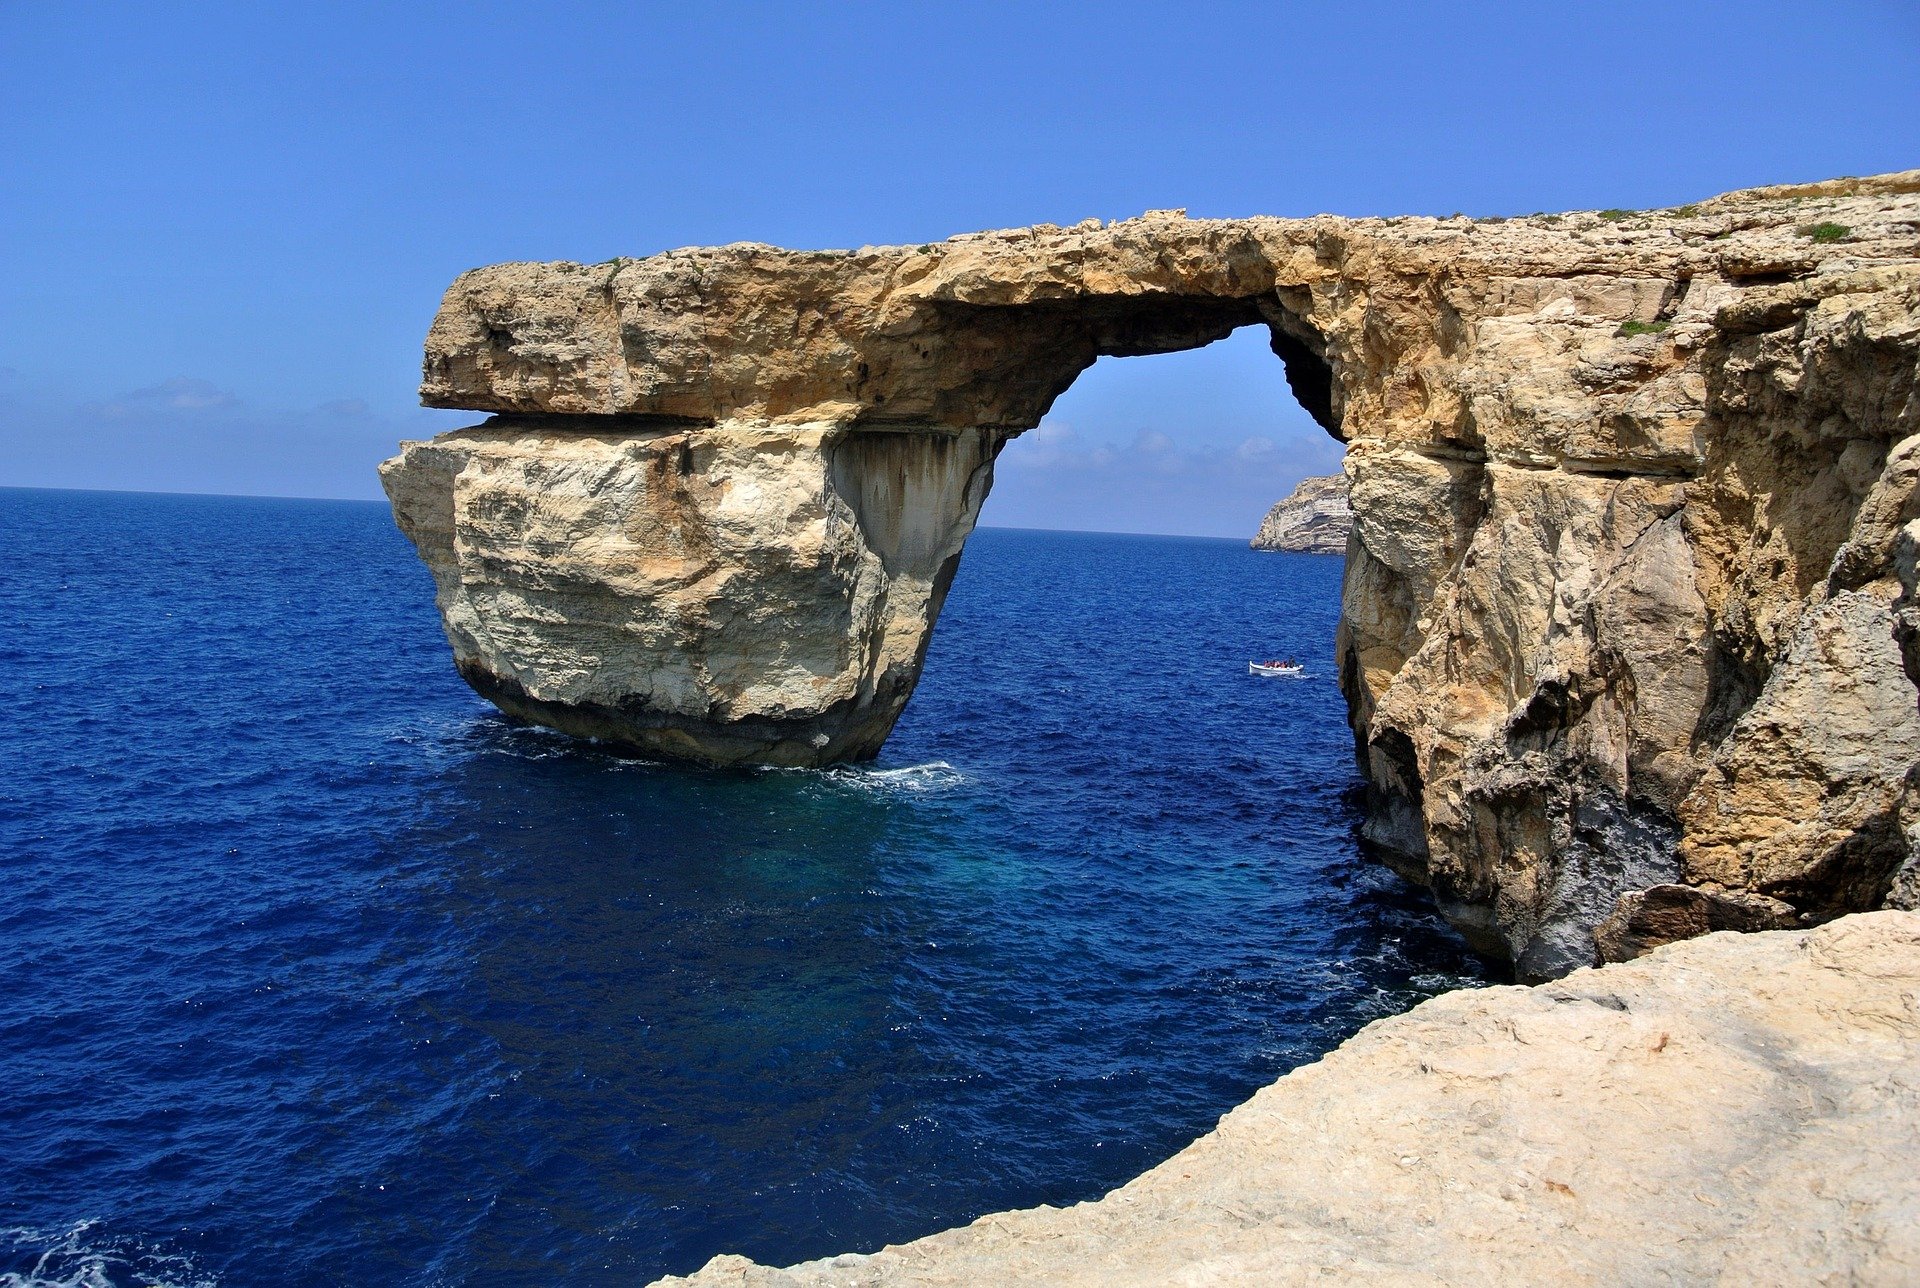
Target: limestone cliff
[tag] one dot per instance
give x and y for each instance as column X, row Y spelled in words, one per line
column 1629, row 630
column 1735, row 1110
column 722, row 593
column 1312, row 519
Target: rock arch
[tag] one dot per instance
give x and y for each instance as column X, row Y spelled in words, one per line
column 781, row 455
column 1619, row 484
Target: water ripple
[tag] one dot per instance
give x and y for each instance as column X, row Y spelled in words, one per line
column 313, row 969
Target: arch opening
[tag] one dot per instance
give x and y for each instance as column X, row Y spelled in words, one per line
column 1199, row 440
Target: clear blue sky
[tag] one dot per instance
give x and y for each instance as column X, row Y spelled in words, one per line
column 224, row 227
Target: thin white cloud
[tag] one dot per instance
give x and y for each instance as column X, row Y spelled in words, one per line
column 181, row 393
column 190, row 435
column 1257, row 450
column 1152, row 442
column 1055, row 447
column 1151, row 480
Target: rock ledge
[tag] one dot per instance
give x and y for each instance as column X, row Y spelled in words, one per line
column 1734, row 1109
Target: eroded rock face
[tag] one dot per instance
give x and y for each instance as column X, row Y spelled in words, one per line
column 1735, row 1110
column 719, row 594
column 1629, row 601
column 1312, row 519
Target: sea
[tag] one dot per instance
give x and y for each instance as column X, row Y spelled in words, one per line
column 314, row 969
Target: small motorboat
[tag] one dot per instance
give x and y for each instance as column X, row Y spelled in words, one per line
column 1274, row 668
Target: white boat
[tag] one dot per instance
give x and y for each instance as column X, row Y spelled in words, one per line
column 1274, row 668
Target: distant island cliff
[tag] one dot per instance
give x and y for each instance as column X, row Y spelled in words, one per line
column 1313, row 519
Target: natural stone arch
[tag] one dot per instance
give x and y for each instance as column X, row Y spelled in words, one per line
column 1617, row 484
column 861, row 399
column 940, row 336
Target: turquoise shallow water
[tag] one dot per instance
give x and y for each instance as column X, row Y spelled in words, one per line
column 313, row 969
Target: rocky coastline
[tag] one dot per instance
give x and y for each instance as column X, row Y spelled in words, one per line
column 1313, row 519
column 1630, row 646
column 1628, row 625
column 1734, row 1109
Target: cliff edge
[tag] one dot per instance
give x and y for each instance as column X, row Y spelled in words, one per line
column 1313, row 519
column 1629, row 632
column 1739, row 1109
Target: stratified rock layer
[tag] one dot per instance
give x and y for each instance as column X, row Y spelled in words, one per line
column 1313, row 519
column 720, row 594
column 1740, row 1109
column 1629, row 599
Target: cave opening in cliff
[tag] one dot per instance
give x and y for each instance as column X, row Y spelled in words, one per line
column 1197, row 442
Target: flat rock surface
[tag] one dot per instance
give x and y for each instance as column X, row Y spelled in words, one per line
column 1734, row 1109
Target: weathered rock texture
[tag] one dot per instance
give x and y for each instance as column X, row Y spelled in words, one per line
column 1312, row 519
column 1629, row 603
column 722, row 593
column 1740, row 1109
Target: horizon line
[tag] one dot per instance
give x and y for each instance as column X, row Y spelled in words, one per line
column 358, row 500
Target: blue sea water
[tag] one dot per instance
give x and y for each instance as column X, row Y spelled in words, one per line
column 315, row 970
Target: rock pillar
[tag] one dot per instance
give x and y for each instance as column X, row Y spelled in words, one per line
column 725, row 594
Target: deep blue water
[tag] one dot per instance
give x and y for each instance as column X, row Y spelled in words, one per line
column 314, row 970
